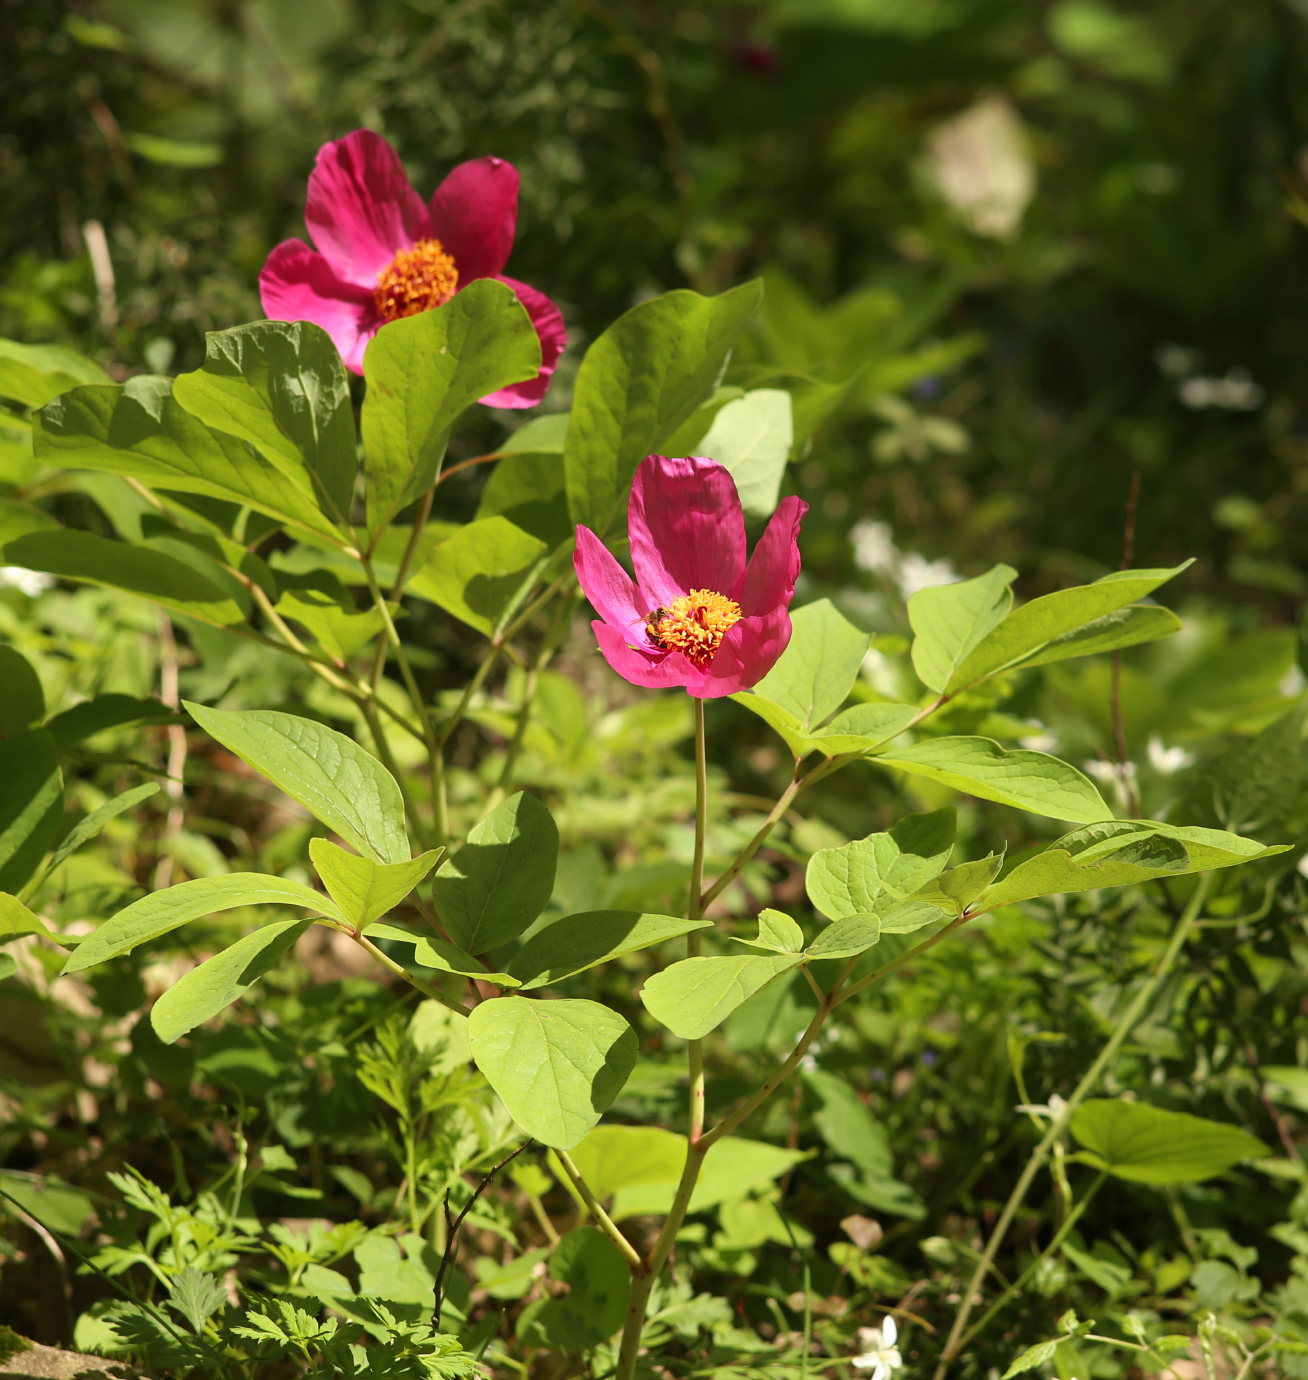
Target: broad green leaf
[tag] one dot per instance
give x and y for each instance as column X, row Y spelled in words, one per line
column 85, row 720
column 696, row 995
column 858, row 878
column 1122, row 853
column 89, row 559
column 16, row 920
column 777, row 933
column 22, row 701
column 500, row 880
column 557, row 1065
column 1286, row 1082
column 1255, row 783
column 731, row 1169
column 430, row 952
column 848, row 1128
column 164, row 911
column 957, row 887
column 1032, row 627
column 908, row 916
column 527, row 489
column 422, row 372
column 91, row 826
column 33, row 374
column 1122, row 628
column 1146, row 1145
column 949, row 620
column 365, row 890
column 329, row 774
column 845, row 938
column 1027, row 780
column 545, row 435
column 331, row 618
column 591, row 1310
column 142, row 431
column 202, row 993
column 31, row 804
column 638, row 382
column 1033, row 1356
column 578, row 942
column 816, row 671
column 18, row 519
column 281, row 386
column 476, row 573
column 861, row 728
column 751, row 438
column 616, row 1157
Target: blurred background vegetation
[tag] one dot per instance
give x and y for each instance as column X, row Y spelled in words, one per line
column 1095, row 206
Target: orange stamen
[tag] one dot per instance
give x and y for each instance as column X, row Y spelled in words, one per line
column 694, row 624
column 415, row 280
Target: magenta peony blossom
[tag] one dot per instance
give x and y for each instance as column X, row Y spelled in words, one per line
column 384, row 254
column 696, row 615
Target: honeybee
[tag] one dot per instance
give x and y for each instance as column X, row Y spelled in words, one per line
column 654, row 617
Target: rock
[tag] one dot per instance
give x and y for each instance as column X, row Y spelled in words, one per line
column 24, row 1360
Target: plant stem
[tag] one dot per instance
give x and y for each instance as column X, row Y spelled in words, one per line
column 1180, row 934
column 402, row 575
column 695, row 913
column 433, row 992
column 607, row 1224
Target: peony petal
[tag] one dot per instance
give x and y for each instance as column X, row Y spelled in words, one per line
column 548, row 320
column 774, row 566
column 361, row 209
column 747, row 653
column 687, row 531
column 474, row 213
column 297, row 284
column 653, row 670
column 608, row 587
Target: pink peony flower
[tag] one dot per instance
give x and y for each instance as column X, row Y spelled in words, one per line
column 384, row 254
column 696, row 615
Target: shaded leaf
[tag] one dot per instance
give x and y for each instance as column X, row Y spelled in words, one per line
column 1147, row 1145
column 476, row 573
column 577, row 942
column 31, row 804
column 751, row 438
column 22, row 701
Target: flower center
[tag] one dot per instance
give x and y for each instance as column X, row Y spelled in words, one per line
column 693, row 624
column 415, row 280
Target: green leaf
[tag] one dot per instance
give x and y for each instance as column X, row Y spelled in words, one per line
column 696, row 995
column 949, row 620
column 164, row 911
column 422, row 372
column 578, row 942
column 1121, row 853
column 848, row 1128
column 638, row 382
column 1122, row 628
column 84, row 557
column 1032, row 1357
column 103, row 712
column 732, row 1168
column 330, row 616
column 329, row 774
column 365, row 890
column 16, row 920
column 528, row 490
column 1032, row 627
column 861, row 728
column 853, row 935
column 430, row 952
column 862, row 876
column 202, row 993
column 1256, row 783
column 557, row 1065
column 281, row 386
column 1146, row 1145
column 196, row 1296
column 31, row 804
column 751, row 438
column 33, row 374
column 956, row 888
column 545, row 435
column 91, row 826
column 500, row 880
column 22, row 701
column 1027, row 780
column 476, row 573
column 777, row 933
column 616, row 1157
column 142, row 431
column 595, row 1303
column 817, row 670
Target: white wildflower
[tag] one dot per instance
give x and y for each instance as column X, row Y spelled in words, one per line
column 29, row 582
column 1167, row 759
column 874, row 547
column 1043, row 741
column 881, row 1356
column 982, row 166
column 916, row 572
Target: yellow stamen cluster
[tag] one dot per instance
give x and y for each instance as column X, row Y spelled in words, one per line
column 415, row 280
column 694, row 624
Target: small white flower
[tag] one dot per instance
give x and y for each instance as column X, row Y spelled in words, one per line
column 874, row 546
column 1167, row 759
column 1043, row 741
column 1292, row 683
column 916, row 572
column 1302, row 866
column 881, row 1356
column 29, row 582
